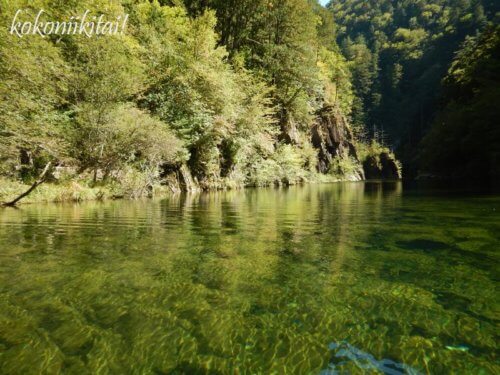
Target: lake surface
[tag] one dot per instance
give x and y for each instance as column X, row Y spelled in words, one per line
column 348, row 278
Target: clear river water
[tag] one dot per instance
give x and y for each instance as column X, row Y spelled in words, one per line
column 348, row 278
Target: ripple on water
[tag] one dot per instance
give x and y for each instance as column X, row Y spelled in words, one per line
column 258, row 281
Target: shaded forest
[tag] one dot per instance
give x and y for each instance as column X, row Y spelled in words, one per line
column 407, row 59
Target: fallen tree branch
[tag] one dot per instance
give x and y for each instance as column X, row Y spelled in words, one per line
column 41, row 180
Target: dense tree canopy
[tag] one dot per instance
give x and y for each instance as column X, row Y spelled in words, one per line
column 227, row 93
column 400, row 51
column 465, row 137
column 229, row 89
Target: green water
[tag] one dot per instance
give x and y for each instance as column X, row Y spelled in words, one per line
column 253, row 282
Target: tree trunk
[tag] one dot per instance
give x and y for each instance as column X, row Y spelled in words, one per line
column 37, row 183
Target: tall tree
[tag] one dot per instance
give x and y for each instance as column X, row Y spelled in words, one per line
column 463, row 141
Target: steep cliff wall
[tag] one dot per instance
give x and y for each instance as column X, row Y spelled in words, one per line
column 333, row 138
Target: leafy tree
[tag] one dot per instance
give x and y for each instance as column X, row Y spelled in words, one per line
column 31, row 124
column 464, row 139
column 226, row 91
column 124, row 136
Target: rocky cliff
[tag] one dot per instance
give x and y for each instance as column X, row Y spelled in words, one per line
column 382, row 166
column 331, row 135
column 333, row 138
column 330, row 141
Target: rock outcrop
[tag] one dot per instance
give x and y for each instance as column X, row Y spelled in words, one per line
column 290, row 133
column 383, row 166
column 179, row 179
column 333, row 138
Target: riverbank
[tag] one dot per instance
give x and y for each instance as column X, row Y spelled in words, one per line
column 64, row 184
column 82, row 190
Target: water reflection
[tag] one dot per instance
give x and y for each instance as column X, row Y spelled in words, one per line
column 253, row 281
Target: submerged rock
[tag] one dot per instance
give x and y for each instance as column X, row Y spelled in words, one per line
column 345, row 353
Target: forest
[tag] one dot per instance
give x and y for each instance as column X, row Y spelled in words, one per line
column 219, row 94
column 425, row 77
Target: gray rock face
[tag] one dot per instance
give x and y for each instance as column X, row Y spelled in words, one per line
column 290, row 133
column 332, row 137
column 178, row 178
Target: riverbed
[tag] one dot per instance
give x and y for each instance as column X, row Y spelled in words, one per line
column 319, row 279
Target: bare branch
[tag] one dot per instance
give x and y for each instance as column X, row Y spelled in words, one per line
column 41, row 180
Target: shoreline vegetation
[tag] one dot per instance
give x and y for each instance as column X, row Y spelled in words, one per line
column 82, row 189
column 76, row 192
column 214, row 95
column 173, row 106
column 66, row 184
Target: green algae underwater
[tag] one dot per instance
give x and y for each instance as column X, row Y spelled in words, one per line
column 319, row 279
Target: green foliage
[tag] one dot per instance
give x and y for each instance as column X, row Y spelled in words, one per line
column 464, row 139
column 336, row 77
column 30, row 123
column 342, row 167
column 285, row 167
column 399, row 51
column 63, row 191
column 281, row 41
column 363, row 65
column 125, row 135
column 227, row 89
column 373, row 150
